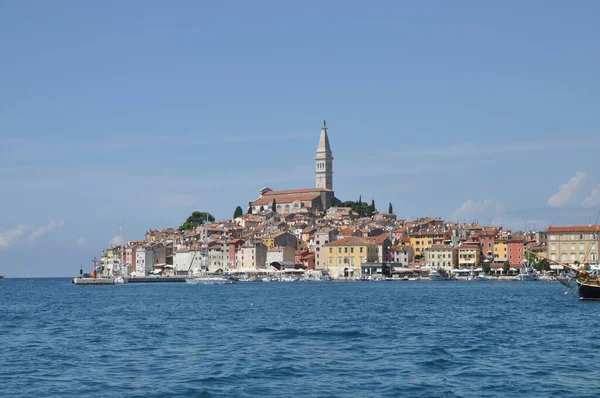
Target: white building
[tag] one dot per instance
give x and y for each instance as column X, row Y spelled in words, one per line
column 147, row 257
column 322, row 237
column 186, row 260
column 251, row 256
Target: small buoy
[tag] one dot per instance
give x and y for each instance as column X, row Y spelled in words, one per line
column 251, row 304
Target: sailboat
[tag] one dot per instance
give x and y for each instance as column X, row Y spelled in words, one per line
column 588, row 285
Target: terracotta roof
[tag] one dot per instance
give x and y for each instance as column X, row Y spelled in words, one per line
column 266, row 200
column 438, row 247
column 379, row 239
column 469, row 247
column 290, row 191
column 575, row 228
column 350, row 241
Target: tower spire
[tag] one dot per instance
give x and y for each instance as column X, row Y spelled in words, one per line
column 324, row 161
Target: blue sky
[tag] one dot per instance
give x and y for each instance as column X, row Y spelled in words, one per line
column 147, row 111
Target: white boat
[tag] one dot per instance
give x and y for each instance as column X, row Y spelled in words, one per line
column 209, row 280
column 481, row 277
column 529, row 274
column 436, row 276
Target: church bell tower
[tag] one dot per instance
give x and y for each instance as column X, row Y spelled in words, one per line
column 324, row 161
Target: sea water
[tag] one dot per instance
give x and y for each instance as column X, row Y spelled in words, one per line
column 396, row 339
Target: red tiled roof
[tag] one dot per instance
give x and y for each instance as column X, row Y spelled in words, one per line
column 575, row 228
column 266, row 200
column 350, row 241
column 290, row 191
column 469, row 247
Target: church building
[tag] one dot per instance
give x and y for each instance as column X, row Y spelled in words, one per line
column 308, row 199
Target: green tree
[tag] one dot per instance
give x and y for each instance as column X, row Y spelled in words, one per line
column 373, row 209
column 238, row 212
column 391, row 209
column 506, row 267
column 360, row 206
column 274, row 206
column 486, row 267
column 197, row 218
column 333, row 202
column 544, row 265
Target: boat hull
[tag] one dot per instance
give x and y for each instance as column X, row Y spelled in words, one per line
column 209, row 281
column 528, row 278
column 437, row 278
column 588, row 291
column 95, row 281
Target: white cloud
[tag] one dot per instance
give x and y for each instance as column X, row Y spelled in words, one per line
column 116, row 240
column 471, row 210
column 12, row 237
column 38, row 232
column 593, row 199
column 568, row 191
column 82, row 242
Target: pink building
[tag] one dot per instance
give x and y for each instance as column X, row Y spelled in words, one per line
column 234, row 244
column 129, row 256
column 515, row 251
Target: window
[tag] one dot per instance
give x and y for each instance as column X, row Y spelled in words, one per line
column 361, row 250
column 552, row 237
column 339, row 260
column 345, row 250
column 330, row 250
column 553, row 246
column 351, row 250
column 581, row 237
column 553, row 257
column 581, row 246
column 330, row 260
column 339, row 250
column 581, row 257
column 572, row 246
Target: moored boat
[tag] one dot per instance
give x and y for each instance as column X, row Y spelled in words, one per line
column 434, row 275
column 209, row 280
column 529, row 274
column 481, row 277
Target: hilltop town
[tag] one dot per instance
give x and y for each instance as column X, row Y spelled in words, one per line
column 310, row 230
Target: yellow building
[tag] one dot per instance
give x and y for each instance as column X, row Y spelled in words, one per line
column 267, row 241
column 500, row 250
column 343, row 257
column 469, row 256
column 422, row 240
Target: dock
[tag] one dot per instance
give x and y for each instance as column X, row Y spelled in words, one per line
column 94, row 281
column 157, row 279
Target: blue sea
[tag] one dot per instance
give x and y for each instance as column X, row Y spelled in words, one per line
column 326, row 339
